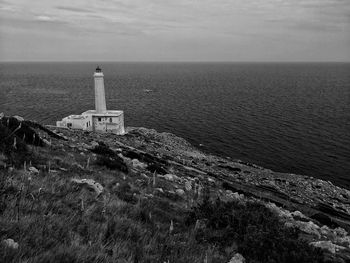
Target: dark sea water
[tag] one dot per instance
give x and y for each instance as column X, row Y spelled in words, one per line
column 287, row 117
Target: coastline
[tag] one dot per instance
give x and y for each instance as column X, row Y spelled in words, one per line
column 319, row 209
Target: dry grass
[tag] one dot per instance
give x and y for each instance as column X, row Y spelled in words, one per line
column 54, row 220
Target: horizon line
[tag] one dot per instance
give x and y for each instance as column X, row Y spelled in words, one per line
column 160, row 61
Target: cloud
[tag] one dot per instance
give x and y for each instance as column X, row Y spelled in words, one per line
column 188, row 24
column 74, row 9
column 45, row 18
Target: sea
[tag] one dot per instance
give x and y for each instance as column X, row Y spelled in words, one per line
column 288, row 117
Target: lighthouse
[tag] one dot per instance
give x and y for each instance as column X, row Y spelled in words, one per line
column 100, row 98
column 100, row 119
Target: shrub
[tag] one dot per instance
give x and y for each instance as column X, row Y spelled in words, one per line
column 259, row 234
column 113, row 163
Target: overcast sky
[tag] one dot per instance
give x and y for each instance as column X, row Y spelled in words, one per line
column 175, row 30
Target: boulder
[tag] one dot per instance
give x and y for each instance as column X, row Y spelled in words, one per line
column 298, row 215
column 325, row 230
column 33, row 170
column 279, row 211
column 10, row 243
column 237, row 258
column 91, row 184
column 200, row 224
column 19, row 118
column 341, row 232
column 171, row 177
column 180, row 192
column 309, row 228
column 327, row 245
column 188, row 186
column 138, row 165
column 235, row 195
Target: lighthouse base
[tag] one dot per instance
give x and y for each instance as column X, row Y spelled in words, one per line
column 111, row 121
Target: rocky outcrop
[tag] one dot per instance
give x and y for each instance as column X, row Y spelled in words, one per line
column 237, row 258
column 90, row 184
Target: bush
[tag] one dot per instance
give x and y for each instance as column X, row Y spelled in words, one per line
column 259, row 234
column 113, row 163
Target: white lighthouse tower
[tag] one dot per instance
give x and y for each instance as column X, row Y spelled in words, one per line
column 100, row 119
column 100, row 98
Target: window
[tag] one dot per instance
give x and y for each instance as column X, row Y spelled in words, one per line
column 69, row 125
column 99, row 119
column 110, row 120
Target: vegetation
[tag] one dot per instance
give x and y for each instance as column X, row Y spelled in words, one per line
column 137, row 218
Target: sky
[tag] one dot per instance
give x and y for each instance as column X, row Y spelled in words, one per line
column 175, row 30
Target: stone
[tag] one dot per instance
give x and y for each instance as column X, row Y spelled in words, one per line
column 19, row 118
column 324, row 230
column 77, row 165
column 309, row 228
column 341, row 232
column 93, row 144
column 33, row 170
column 160, row 190
column 188, row 186
column 47, row 142
column 211, row 180
column 171, row 177
column 235, row 195
column 138, row 165
column 91, row 184
column 327, row 245
column 180, row 192
column 200, row 224
column 237, row 258
column 279, row 211
column 297, row 214
column 344, row 241
column 10, row 243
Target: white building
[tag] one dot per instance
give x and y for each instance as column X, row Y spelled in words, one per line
column 100, row 119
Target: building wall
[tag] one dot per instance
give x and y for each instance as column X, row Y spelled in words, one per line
column 114, row 124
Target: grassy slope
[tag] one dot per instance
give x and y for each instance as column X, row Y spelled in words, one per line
column 139, row 217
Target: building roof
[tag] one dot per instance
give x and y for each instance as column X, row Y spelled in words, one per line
column 106, row 113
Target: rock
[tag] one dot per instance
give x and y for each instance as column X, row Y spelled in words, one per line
column 279, row 211
column 93, row 144
column 235, row 195
column 97, row 187
column 344, row 241
column 180, row 192
column 211, row 180
column 324, row 230
column 237, row 258
column 46, row 142
column 309, row 228
column 200, row 224
column 341, row 232
column 188, row 186
column 33, row 170
column 77, row 165
column 138, row 165
column 298, row 215
column 10, row 243
column 160, row 190
column 171, row 177
column 327, row 245
column 19, row 118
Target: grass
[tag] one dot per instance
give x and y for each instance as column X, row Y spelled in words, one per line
column 55, row 221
